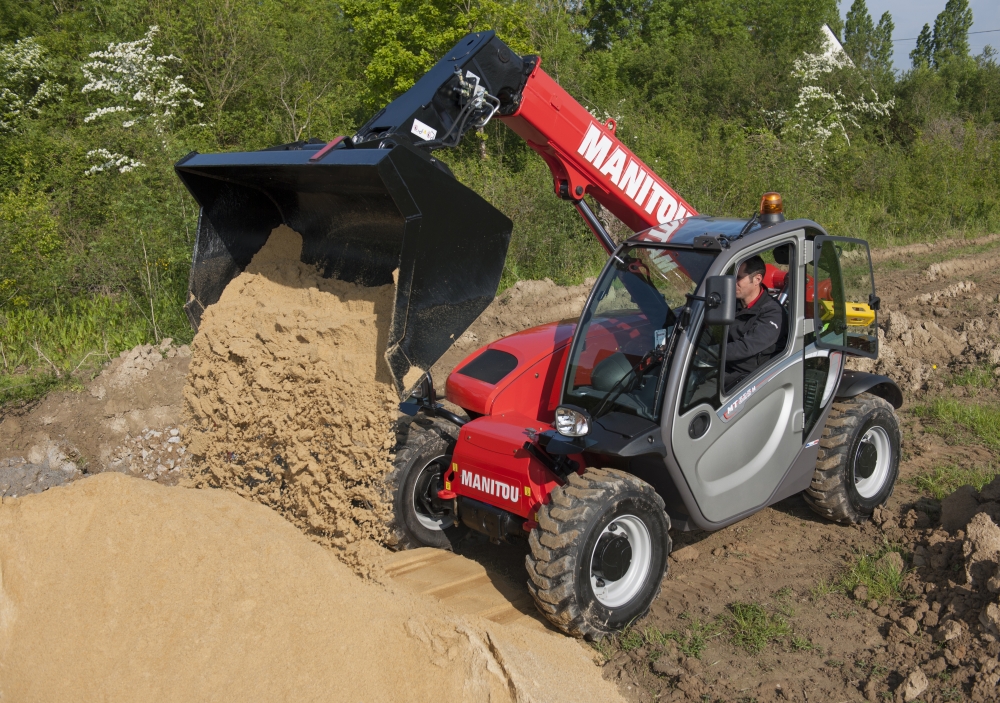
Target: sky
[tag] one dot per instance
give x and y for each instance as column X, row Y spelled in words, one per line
column 911, row 15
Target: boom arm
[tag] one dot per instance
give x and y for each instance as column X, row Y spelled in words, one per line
column 481, row 78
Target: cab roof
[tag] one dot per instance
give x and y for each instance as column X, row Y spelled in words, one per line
column 684, row 231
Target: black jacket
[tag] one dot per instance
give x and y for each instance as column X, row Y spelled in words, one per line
column 758, row 332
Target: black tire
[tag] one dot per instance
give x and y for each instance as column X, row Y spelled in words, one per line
column 563, row 555
column 850, row 480
column 423, row 452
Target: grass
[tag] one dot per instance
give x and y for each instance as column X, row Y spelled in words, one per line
column 883, row 581
column 823, row 588
column 783, row 597
column 975, row 377
column 691, row 641
column 944, row 480
column 752, row 628
column 25, row 388
column 40, row 349
column 959, row 422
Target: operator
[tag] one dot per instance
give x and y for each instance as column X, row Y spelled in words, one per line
column 760, row 324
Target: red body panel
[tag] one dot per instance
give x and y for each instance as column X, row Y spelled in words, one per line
column 490, row 460
column 588, row 157
column 491, row 448
column 532, row 388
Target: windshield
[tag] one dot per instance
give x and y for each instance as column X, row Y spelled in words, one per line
column 630, row 316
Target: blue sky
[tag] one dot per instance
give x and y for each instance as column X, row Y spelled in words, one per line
column 910, row 16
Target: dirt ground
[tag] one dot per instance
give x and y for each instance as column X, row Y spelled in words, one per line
column 941, row 319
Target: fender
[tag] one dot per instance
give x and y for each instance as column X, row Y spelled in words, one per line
column 853, row 383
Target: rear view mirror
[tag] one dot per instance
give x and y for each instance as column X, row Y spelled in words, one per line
column 720, row 300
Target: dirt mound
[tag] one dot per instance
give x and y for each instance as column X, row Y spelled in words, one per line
column 912, row 349
column 290, row 398
column 121, row 590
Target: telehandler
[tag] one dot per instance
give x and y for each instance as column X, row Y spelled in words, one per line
column 590, row 438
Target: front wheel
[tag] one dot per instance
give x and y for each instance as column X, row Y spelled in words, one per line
column 423, row 453
column 599, row 552
column 858, row 460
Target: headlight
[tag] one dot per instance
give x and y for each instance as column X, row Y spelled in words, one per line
column 571, row 423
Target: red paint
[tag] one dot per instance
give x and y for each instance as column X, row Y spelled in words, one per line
column 491, row 448
column 774, row 278
column 325, row 150
column 555, row 125
column 540, row 350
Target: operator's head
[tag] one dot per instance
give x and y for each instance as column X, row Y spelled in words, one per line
column 748, row 278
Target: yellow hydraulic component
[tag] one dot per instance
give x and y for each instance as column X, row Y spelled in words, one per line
column 858, row 314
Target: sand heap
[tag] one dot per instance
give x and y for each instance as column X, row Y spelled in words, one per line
column 290, row 398
column 118, row 589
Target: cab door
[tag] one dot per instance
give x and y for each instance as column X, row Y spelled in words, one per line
column 735, row 446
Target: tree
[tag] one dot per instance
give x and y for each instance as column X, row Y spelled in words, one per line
column 26, row 82
column 614, row 20
column 404, row 38
column 822, row 117
column 951, row 32
column 923, row 53
column 881, row 53
column 859, row 34
column 141, row 89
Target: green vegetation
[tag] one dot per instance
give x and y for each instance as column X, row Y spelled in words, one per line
column 802, row 644
column 975, row 377
column 752, row 628
column 958, row 421
column 690, row 640
column 944, row 480
column 823, row 588
column 726, row 100
column 879, row 574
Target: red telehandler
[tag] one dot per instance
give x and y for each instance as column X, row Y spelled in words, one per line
column 590, row 438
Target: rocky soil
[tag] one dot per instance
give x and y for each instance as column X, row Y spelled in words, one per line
column 934, row 638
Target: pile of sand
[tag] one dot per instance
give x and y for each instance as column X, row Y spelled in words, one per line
column 118, row 589
column 290, row 398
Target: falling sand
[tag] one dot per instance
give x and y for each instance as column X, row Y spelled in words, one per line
column 118, row 589
column 291, row 401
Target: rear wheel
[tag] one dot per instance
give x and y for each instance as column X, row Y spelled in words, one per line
column 858, row 460
column 599, row 552
column 423, row 453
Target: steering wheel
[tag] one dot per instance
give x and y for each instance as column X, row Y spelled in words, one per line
column 705, row 357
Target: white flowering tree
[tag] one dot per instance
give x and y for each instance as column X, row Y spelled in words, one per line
column 821, row 114
column 27, row 82
column 139, row 87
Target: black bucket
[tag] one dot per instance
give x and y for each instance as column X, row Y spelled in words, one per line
column 362, row 214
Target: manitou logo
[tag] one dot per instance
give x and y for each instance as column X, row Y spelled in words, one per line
column 629, row 177
column 491, row 486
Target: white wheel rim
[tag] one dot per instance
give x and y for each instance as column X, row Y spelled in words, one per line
column 431, row 523
column 616, row 593
column 878, row 439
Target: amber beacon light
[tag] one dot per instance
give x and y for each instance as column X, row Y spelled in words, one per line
column 771, row 208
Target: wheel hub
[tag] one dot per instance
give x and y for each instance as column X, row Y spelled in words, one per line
column 621, row 561
column 429, row 509
column 612, row 556
column 867, row 460
column 872, row 462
